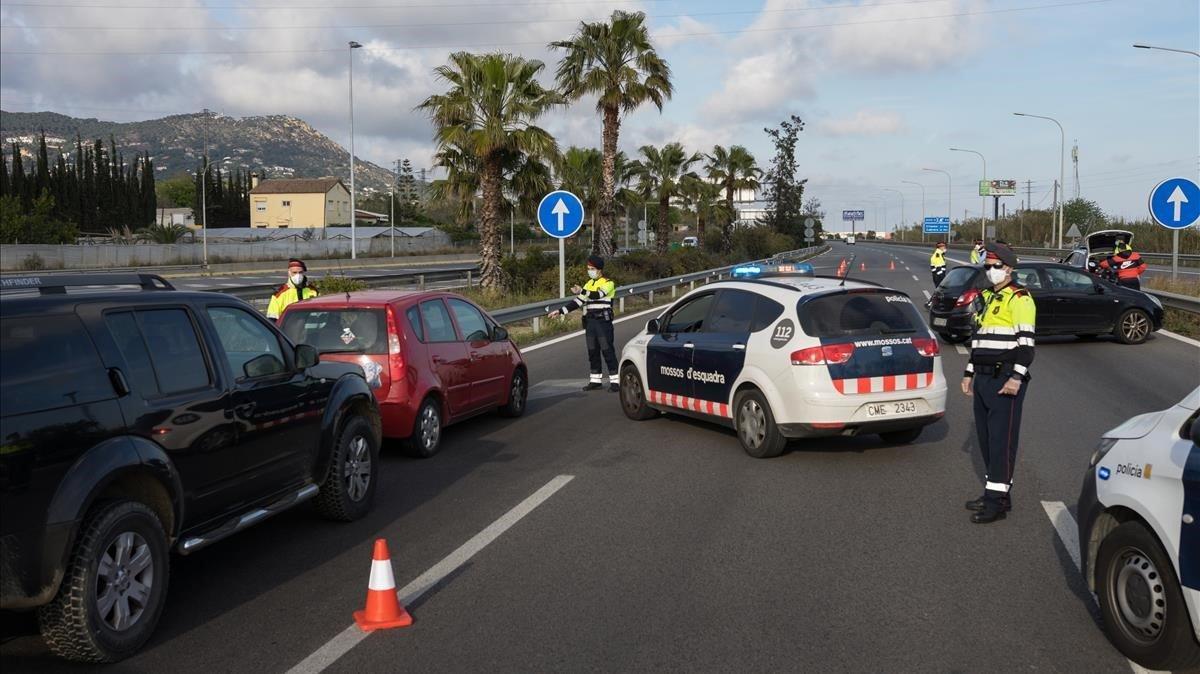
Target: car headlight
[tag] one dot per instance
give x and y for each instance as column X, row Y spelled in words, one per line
column 1101, row 449
column 1156, row 301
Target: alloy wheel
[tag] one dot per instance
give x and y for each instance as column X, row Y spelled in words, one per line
column 124, row 579
column 1135, row 326
column 357, row 471
column 631, row 392
column 752, row 423
column 431, row 427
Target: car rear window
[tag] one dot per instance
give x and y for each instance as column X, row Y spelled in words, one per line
column 859, row 313
column 959, row 277
column 342, row 330
column 48, row 362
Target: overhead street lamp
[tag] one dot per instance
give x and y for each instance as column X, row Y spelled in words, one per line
column 982, row 199
column 910, row 182
column 949, row 192
column 1181, row 51
column 353, row 239
column 888, row 189
column 1062, row 168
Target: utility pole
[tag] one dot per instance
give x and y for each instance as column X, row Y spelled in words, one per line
column 1056, row 206
column 204, row 195
column 353, row 239
column 1075, row 162
column 392, row 206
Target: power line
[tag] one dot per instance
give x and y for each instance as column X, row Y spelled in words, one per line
column 742, row 31
column 450, row 24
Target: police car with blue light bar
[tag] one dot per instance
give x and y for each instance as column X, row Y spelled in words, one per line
column 789, row 356
column 1139, row 535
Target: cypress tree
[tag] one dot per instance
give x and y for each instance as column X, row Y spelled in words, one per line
column 42, row 177
column 19, row 180
column 5, row 187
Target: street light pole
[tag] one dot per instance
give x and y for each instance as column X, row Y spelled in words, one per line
column 982, row 199
column 353, row 239
column 1062, row 168
column 910, row 182
column 888, row 189
column 949, row 191
column 204, row 195
column 1174, row 232
column 392, row 206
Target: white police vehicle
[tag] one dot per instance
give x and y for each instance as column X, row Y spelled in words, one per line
column 787, row 356
column 1139, row 535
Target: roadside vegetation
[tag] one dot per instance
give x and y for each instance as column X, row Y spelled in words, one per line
column 1180, row 322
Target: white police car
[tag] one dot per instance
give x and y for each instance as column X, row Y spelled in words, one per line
column 1139, row 535
column 786, row 356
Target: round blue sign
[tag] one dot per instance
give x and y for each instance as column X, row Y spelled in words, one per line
column 1175, row 203
column 560, row 214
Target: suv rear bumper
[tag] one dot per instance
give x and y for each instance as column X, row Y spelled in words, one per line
column 802, row 430
column 31, row 565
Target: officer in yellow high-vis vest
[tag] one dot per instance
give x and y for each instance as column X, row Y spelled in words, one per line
column 296, row 288
column 596, row 300
column 937, row 262
column 997, row 376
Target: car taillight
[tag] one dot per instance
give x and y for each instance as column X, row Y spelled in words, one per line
column 830, row 354
column 395, row 354
column 927, row 347
column 967, row 297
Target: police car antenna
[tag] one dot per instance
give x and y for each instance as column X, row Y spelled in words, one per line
column 849, row 266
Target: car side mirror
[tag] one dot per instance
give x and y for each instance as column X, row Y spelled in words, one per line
column 499, row 334
column 652, row 326
column 1098, row 288
column 306, row 356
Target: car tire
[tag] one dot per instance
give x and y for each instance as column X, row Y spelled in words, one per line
column 349, row 487
column 1152, row 626
column 633, row 396
column 518, row 395
column 756, row 427
column 904, row 437
column 1133, row 327
column 426, row 438
column 75, row 624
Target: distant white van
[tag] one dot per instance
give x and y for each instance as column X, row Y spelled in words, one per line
column 850, row 240
column 690, row 241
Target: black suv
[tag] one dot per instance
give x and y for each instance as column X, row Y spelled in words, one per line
column 134, row 423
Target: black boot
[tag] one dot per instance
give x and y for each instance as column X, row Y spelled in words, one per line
column 614, row 387
column 593, row 386
column 977, row 504
column 992, row 511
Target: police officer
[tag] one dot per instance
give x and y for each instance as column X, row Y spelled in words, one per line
column 296, row 288
column 937, row 262
column 997, row 377
column 978, row 252
column 595, row 298
column 1127, row 264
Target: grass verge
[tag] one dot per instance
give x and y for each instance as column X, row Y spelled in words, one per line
column 1176, row 320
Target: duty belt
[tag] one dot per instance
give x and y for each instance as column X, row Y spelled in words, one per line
column 994, row 369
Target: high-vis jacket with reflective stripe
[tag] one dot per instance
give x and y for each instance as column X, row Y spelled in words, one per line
column 287, row 295
column 1004, row 330
column 937, row 260
column 595, row 298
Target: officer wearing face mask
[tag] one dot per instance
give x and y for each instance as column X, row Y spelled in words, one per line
column 997, row 377
column 937, row 262
column 295, row 289
column 595, row 298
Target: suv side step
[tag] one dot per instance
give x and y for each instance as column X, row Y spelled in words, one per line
column 246, row 520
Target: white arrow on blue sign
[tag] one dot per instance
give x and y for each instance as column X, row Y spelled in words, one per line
column 1175, row 203
column 560, row 214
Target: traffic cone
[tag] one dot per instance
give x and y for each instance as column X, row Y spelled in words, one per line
column 383, row 608
column 892, row 265
column 863, row 267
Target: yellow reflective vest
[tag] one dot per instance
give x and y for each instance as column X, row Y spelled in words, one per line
column 1004, row 333
column 287, row 295
column 937, row 260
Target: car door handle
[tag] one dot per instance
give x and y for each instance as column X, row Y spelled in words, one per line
column 739, row 346
column 688, row 345
column 438, row 360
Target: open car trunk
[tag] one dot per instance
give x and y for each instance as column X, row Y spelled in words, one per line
column 1104, row 242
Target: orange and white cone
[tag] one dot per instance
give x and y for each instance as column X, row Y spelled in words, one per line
column 862, row 266
column 892, row 265
column 383, row 608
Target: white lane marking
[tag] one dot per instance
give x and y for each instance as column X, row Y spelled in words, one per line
column 962, row 350
column 573, row 335
column 927, row 295
column 1068, row 532
column 350, row 637
column 1185, row 340
column 915, row 278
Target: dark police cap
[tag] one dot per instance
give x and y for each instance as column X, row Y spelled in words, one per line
column 1002, row 253
column 595, row 261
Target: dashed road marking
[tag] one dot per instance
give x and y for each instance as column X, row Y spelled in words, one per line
column 915, row 278
column 927, row 295
column 1068, row 532
column 350, row 637
column 962, row 350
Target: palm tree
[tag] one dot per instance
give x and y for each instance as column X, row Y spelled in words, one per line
column 660, row 173
column 164, row 233
column 705, row 197
column 616, row 62
column 488, row 115
column 579, row 172
column 732, row 169
column 461, row 184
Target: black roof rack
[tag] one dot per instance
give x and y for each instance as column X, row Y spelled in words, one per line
column 57, row 284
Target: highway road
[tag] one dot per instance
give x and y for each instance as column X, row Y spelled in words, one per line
column 574, row 539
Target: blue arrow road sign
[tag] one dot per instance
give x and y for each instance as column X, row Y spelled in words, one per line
column 1175, row 203
column 560, row 214
column 937, row 225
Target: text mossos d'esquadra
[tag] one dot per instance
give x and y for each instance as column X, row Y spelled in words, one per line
column 695, row 375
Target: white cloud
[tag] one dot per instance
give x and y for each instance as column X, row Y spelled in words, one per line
column 683, row 30
column 863, row 123
column 890, row 37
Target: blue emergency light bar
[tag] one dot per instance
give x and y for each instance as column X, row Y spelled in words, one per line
column 748, row 270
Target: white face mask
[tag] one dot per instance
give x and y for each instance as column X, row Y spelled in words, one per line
column 593, row 273
column 297, row 279
column 996, row 276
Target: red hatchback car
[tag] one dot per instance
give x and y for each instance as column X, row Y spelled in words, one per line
column 432, row 358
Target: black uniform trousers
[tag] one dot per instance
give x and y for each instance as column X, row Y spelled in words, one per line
column 1134, row 283
column 938, row 274
column 599, row 335
column 998, row 426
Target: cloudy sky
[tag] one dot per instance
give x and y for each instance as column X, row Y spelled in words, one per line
column 884, row 87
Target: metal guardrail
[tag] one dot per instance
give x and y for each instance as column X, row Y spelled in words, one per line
column 1186, row 303
column 538, row 310
column 417, row 277
column 1043, row 252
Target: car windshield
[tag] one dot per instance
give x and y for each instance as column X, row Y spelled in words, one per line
column 882, row 312
column 346, row 330
column 959, row 278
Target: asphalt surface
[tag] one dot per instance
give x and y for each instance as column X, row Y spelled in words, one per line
column 671, row 550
